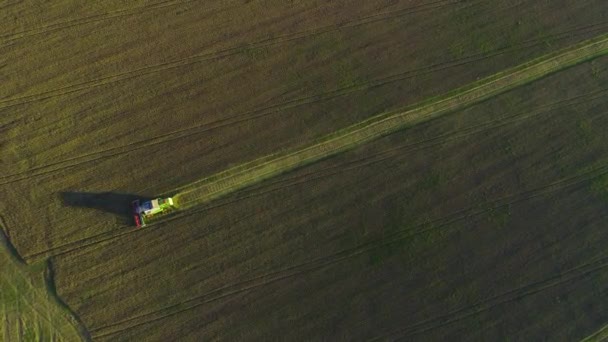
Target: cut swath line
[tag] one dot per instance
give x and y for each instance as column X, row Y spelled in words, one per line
column 255, row 171
column 319, row 263
column 600, row 335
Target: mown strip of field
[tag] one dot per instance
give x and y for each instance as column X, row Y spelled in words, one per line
column 386, row 123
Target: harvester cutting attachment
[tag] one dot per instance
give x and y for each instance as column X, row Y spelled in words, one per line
column 142, row 211
column 137, row 214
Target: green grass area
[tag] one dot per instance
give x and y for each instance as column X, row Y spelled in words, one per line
column 29, row 308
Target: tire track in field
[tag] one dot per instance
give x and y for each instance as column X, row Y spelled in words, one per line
column 330, row 171
column 336, row 257
column 124, row 12
column 271, row 110
column 135, row 11
column 214, row 55
column 247, row 174
column 573, row 274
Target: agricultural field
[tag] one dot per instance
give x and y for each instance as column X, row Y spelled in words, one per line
column 486, row 222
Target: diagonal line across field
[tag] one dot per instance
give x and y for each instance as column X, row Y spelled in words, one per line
column 383, row 124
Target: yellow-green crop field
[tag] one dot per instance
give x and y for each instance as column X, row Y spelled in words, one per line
column 476, row 215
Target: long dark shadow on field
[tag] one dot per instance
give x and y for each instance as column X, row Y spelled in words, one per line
column 118, row 204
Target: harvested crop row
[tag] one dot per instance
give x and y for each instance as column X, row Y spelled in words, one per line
column 386, row 123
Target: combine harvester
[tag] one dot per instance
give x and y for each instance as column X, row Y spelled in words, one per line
column 143, row 212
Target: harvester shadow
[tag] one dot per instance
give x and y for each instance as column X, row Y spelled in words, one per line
column 118, row 204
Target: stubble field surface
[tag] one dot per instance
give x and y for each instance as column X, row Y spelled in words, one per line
column 482, row 224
